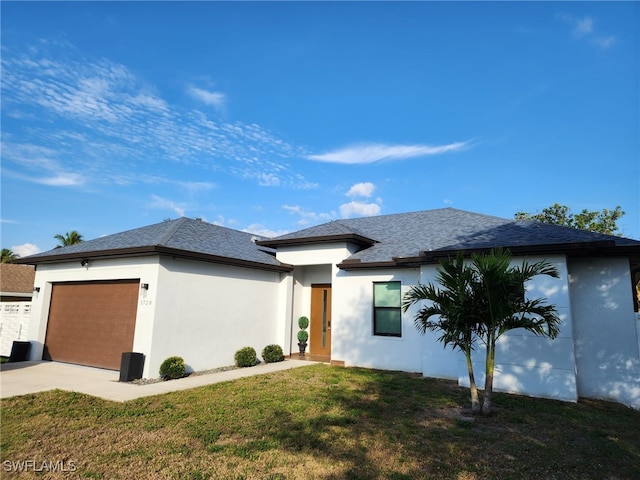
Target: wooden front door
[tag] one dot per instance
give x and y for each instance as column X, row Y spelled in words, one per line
column 320, row 322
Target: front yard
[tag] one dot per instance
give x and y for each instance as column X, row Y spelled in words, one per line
column 317, row 422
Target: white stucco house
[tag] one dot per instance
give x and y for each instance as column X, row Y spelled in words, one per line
column 189, row 288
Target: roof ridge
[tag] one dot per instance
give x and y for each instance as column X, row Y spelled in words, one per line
column 177, row 224
column 350, row 228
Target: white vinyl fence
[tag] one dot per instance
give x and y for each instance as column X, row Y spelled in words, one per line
column 14, row 322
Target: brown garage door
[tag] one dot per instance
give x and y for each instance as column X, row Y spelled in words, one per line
column 92, row 323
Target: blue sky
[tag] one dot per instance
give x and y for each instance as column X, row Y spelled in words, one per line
column 271, row 117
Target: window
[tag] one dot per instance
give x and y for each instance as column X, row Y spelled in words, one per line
column 387, row 315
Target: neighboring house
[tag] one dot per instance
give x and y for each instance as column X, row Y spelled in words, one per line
column 16, row 290
column 189, row 288
column 16, row 282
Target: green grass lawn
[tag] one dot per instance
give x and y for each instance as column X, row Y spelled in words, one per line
column 320, row 422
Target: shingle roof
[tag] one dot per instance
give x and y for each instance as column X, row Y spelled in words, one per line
column 183, row 236
column 392, row 239
column 16, row 278
column 429, row 232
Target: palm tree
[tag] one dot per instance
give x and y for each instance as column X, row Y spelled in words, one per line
column 69, row 238
column 482, row 301
column 8, row 256
column 453, row 305
column 500, row 294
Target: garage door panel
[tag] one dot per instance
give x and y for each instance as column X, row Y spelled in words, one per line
column 92, row 323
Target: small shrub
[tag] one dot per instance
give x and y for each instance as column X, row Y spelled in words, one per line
column 272, row 354
column 172, row 368
column 303, row 336
column 246, row 357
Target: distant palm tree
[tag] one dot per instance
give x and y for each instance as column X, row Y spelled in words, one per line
column 69, row 238
column 8, row 256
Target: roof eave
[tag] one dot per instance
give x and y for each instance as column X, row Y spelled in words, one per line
column 154, row 250
column 601, row 248
column 294, row 242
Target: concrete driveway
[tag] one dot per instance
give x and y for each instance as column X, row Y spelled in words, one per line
column 22, row 378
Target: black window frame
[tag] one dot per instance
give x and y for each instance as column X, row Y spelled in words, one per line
column 385, row 308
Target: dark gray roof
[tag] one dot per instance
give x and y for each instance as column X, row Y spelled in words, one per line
column 432, row 233
column 182, row 237
column 386, row 240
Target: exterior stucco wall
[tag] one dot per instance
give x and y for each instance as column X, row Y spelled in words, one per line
column 206, row 312
column 353, row 340
column 606, row 341
column 323, row 254
column 144, row 268
column 528, row 364
column 525, row 363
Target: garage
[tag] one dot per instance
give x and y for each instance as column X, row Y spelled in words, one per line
column 91, row 323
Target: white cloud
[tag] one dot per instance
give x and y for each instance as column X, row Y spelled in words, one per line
column 214, row 99
column 369, row 153
column 25, row 249
column 584, row 28
column 361, row 190
column 40, row 159
column 604, row 42
column 97, row 118
column 347, row 210
column 163, row 203
column 268, row 180
column 307, row 217
column 261, row 230
column 61, row 180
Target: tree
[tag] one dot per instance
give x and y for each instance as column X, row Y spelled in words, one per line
column 69, row 238
column 453, row 305
column 482, row 301
column 503, row 305
column 8, row 256
column 602, row 222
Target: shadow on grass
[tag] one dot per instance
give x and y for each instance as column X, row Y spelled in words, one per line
column 375, row 424
column 332, row 423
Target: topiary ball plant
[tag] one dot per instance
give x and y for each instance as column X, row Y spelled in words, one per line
column 172, row 368
column 272, row 354
column 303, row 322
column 303, row 336
column 246, row 357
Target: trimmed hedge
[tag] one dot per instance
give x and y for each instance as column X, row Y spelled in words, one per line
column 246, row 357
column 172, row 368
column 272, row 354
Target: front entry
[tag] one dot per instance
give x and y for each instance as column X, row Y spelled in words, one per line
column 320, row 322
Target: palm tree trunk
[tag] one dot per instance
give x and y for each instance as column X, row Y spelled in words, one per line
column 488, row 380
column 475, row 400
